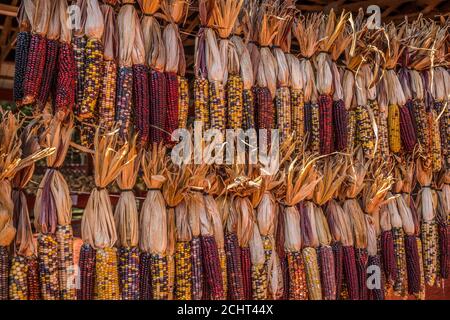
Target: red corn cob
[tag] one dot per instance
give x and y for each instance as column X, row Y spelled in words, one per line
column 21, row 57
column 376, row 294
column 296, row 275
column 51, row 58
column 87, row 272
column 124, row 99
column 265, row 109
column 407, row 132
column 213, row 271
column 34, row 292
column 412, row 264
column 340, row 125
column 350, row 272
column 326, row 123
column 197, row 269
column 246, row 266
column 172, row 104
column 283, row 255
column 35, row 68
column 388, row 255
column 66, row 78
column 362, row 259
column 158, row 105
column 338, row 265
column 145, row 277
column 327, row 272
column 444, row 247
column 141, row 101
column 235, row 281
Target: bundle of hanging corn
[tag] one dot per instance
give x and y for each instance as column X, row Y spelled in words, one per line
column 284, row 12
column 426, row 202
column 332, row 175
column 174, row 12
column 79, row 46
column 153, row 223
column 305, row 31
column 174, row 191
column 328, row 31
column 126, row 21
column 25, row 17
column 155, row 54
column 94, row 28
column 37, row 54
column 11, row 162
column 66, row 72
column 53, row 214
column 300, row 182
column 201, row 83
column 126, row 221
column 97, row 225
column 107, row 98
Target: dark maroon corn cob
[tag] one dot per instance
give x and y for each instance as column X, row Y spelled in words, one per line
column 249, row 109
column 129, row 273
column 362, row 259
column 407, row 132
column 308, row 122
column 197, row 269
column 338, row 266
column 22, row 49
column 79, row 45
column 280, row 238
column 211, row 265
column 145, row 277
column 234, row 270
column 87, row 272
column 4, row 272
column 327, row 272
column 388, row 255
column 35, row 68
column 246, row 266
column 444, row 247
column 124, row 99
column 340, row 125
column 377, row 293
column 265, row 110
column 412, row 264
column 51, row 59
column 172, row 104
column 66, row 78
column 34, row 291
column 350, row 272
column 141, row 100
column 326, row 124
column 158, row 105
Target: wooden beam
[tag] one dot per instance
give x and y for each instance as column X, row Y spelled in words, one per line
column 8, row 10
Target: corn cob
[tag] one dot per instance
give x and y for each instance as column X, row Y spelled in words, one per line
column 423, row 135
column 362, row 258
column 87, row 272
column 197, row 269
column 129, row 272
column 338, row 255
column 213, row 270
column 282, row 254
column 18, row 287
column 429, row 234
column 340, row 125
column 21, row 57
column 326, row 124
column 33, row 279
column 141, row 100
column 35, row 68
column 388, row 256
column 183, row 286
column 159, row 274
column 79, row 50
column 172, row 103
column 312, row 273
column 234, row 90
column 248, row 105
column 4, row 271
column 107, row 99
column 407, row 131
column 48, row 266
column 308, row 122
column 394, row 128
column 183, row 102
column 315, row 128
column 65, row 78
column 201, row 97
column 217, row 109
column 364, row 130
column 350, row 272
column 223, row 269
column 327, row 272
column 435, row 142
column 64, row 238
column 376, row 294
column 352, row 135
column 297, row 276
column 51, row 58
column 246, row 268
column 259, row 282
column 158, row 104
column 145, row 280
column 106, row 274
column 444, row 129
column 421, row 295
column 444, row 264
column 283, row 111
column 94, row 72
column 234, row 268
column 400, row 260
column 124, row 98
column 268, row 252
column 412, row 264
column 297, row 106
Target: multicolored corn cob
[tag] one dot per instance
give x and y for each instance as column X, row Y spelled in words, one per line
column 234, row 268
column 429, row 235
column 298, row 117
column 217, row 108
column 297, row 276
column 145, row 276
column 65, row 78
column 141, row 102
column 234, row 102
column 338, row 255
column 172, row 103
column 183, row 269
column 388, row 256
column 340, row 125
column 79, row 50
column 48, row 266
column 327, row 272
column 376, row 293
column 201, row 98
column 35, row 68
column 283, row 111
column 407, row 131
column 18, row 285
column 412, row 264
column 315, row 128
column 350, row 273
column 34, row 292
column 326, row 124
column 92, row 80
column 197, row 269
column 248, row 101
column 212, row 268
column 124, row 99
column 21, row 59
column 159, row 267
column 365, row 134
column 107, row 98
column 64, row 237
column 129, row 273
column 401, row 281
column 362, row 258
column 87, row 272
column 312, row 273
column 4, row 271
column 106, row 274
column 183, row 102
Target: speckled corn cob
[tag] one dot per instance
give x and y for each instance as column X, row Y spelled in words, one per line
column 382, row 124
column 283, row 111
column 51, row 58
column 66, row 271
column 223, row 268
column 297, row 114
column 86, row 265
column 79, row 45
column 444, row 130
column 48, row 266
column 376, row 294
column 201, row 98
column 327, row 272
column 4, row 271
column 35, row 68
column 248, row 100
column 312, row 273
column 124, row 99
column 412, row 264
column 326, row 124
column 421, row 124
column 160, row 277
column 106, row 274
column 183, row 102
column 297, row 276
column 34, row 292
column 315, row 129
column 197, row 269
column 18, row 286
column 259, row 282
column 400, row 283
column 235, row 87
column 362, row 259
column 365, row 133
column 183, row 269
column 421, row 295
column 21, row 57
column 435, row 142
column 171, row 281
column 172, row 103
column 129, row 273
column 407, row 130
column 394, row 128
column 212, row 268
column 233, row 252
column 217, row 109
column 340, row 125
column 352, row 135
column 106, row 107
column 145, row 277
column 338, row 255
column 429, row 237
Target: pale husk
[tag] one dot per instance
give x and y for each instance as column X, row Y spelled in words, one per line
column 95, row 24
column 183, row 228
column 65, row 35
column 244, row 209
column 257, row 255
column 308, row 222
column 126, row 29
column 339, row 224
column 425, row 201
column 138, row 54
column 246, row 67
column 42, row 17
column 358, row 222
column 213, row 59
column 322, row 228
column 395, row 218
column 385, row 218
column 54, row 25
column 296, row 79
column 155, row 50
column 372, row 249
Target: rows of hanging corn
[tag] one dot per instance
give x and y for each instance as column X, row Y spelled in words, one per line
column 359, row 208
